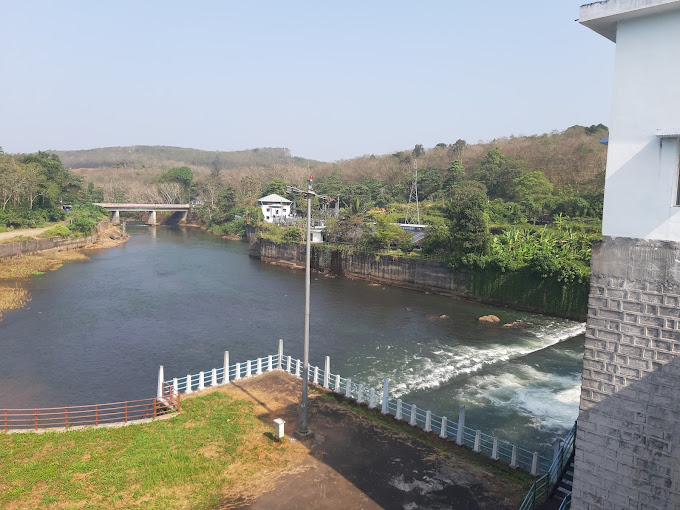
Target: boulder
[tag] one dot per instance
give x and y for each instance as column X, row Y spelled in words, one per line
column 489, row 318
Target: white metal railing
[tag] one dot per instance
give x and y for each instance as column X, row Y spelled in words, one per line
column 458, row 431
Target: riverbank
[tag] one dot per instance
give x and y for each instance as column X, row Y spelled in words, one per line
column 519, row 290
column 219, row 452
column 16, row 271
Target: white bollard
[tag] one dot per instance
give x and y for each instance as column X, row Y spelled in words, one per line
column 348, row 388
column 237, row 377
column 360, row 396
column 259, row 367
column 461, row 425
column 188, row 389
column 249, row 370
column 513, row 459
column 214, row 377
column 279, row 361
column 269, row 363
column 201, row 381
column 494, row 450
column 371, row 399
column 428, row 421
column 289, row 365
column 297, row 368
column 398, row 414
column 278, row 428
column 534, row 465
column 159, row 393
column 316, row 375
column 442, row 432
column 413, row 420
column 225, row 376
column 327, row 372
column 385, row 396
column 175, row 387
column 478, row 440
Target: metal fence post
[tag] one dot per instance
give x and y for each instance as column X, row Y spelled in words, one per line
column 385, row 395
column 269, row 363
column 225, row 376
column 279, row 361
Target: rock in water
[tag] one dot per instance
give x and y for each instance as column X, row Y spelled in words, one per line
column 489, row 318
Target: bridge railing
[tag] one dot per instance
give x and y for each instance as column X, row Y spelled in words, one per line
column 474, row 439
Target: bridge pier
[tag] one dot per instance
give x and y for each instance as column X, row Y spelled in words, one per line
column 115, row 217
column 152, row 218
column 183, row 219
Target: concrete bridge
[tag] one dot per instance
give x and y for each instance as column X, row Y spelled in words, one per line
column 115, row 210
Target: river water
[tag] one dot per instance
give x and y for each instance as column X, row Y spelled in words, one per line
column 97, row 331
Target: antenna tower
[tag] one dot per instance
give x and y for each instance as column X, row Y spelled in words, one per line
column 413, row 208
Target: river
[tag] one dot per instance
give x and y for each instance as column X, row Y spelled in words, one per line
column 97, row 331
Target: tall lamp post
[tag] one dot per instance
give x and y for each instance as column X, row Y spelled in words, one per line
column 302, row 430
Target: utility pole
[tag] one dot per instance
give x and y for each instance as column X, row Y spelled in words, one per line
column 413, row 197
column 302, row 430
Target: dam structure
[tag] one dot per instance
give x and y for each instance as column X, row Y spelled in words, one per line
column 628, row 436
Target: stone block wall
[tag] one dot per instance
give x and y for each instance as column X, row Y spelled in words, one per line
column 628, row 436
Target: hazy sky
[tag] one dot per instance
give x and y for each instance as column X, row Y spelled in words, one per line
column 328, row 80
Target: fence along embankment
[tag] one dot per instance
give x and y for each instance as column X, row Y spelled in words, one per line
column 521, row 289
column 476, row 440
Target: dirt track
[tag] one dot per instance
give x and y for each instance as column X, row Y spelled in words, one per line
column 354, row 463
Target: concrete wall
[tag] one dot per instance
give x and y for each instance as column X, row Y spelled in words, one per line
column 642, row 169
column 20, row 248
column 628, row 439
column 519, row 290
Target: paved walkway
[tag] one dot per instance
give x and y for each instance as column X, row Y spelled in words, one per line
column 28, row 232
column 354, row 463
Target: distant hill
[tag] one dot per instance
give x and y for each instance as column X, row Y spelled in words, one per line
column 146, row 156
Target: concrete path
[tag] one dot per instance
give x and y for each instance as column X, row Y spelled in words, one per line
column 354, row 463
column 28, row 232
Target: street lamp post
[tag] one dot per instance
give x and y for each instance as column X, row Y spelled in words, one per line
column 302, row 430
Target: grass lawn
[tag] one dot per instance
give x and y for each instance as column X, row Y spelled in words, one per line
column 189, row 461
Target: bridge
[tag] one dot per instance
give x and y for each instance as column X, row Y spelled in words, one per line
column 115, row 210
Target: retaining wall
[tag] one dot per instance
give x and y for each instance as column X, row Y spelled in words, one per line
column 518, row 289
column 20, row 248
column 629, row 421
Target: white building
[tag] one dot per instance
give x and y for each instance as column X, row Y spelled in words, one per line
column 274, row 207
column 645, row 123
column 628, row 435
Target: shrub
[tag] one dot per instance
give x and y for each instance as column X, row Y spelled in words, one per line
column 82, row 226
column 57, row 231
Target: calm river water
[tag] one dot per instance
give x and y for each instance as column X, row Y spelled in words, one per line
column 96, row 332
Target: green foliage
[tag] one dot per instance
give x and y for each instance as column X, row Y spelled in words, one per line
column 497, row 173
column 532, row 190
column 293, row 234
column 469, row 223
column 418, row 151
column 82, row 225
column 454, row 174
column 275, row 186
column 429, row 182
column 385, row 233
column 505, row 213
column 57, row 231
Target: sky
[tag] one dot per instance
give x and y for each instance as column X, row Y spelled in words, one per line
column 328, row 80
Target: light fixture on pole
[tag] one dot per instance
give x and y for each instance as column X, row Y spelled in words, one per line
column 302, row 430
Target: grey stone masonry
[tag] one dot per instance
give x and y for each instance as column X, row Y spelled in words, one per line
column 628, row 435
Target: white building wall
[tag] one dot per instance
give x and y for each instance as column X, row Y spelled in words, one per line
column 642, row 169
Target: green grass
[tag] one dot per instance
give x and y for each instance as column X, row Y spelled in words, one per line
column 183, row 462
